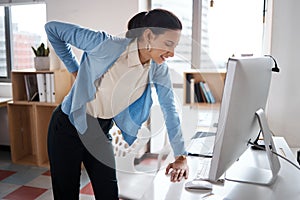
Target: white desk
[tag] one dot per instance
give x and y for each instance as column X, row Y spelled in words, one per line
column 286, row 186
column 3, row 101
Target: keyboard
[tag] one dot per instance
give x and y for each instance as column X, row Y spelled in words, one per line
column 202, row 145
column 203, row 172
column 203, row 169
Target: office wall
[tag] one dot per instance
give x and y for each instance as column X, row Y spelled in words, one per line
column 110, row 16
column 284, row 98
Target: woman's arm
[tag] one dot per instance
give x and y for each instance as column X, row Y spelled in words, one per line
column 62, row 35
column 179, row 168
column 163, row 86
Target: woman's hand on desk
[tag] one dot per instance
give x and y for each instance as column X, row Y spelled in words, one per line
column 179, row 168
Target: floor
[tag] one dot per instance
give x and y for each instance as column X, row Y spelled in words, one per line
column 19, row 182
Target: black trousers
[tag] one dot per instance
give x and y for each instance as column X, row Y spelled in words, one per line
column 67, row 150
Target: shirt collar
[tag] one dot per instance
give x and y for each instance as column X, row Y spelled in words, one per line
column 133, row 55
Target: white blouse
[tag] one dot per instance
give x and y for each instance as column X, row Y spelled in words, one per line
column 121, row 85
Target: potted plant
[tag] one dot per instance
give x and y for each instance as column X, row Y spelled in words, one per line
column 41, row 60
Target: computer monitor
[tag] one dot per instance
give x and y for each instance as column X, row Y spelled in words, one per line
column 242, row 118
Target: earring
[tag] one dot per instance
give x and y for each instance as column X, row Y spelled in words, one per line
column 148, row 47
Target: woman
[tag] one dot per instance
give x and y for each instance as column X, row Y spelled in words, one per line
column 112, row 84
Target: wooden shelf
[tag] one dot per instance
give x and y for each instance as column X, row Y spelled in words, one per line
column 26, row 160
column 215, row 80
column 62, row 83
column 29, row 120
column 33, row 103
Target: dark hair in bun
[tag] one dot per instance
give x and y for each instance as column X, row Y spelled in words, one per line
column 157, row 20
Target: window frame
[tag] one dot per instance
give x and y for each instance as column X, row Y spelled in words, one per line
column 8, row 48
column 196, row 34
column 9, row 35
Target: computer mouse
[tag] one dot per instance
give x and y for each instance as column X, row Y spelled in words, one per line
column 198, row 185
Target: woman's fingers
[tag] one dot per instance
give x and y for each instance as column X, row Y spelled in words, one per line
column 177, row 175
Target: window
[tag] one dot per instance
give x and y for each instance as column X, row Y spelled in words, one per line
column 230, row 27
column 182, row 9
column 21, row 26
column 235, row 27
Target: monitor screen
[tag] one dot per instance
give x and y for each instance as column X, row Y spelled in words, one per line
column 245, row 92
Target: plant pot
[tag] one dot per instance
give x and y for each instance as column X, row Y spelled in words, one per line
column 42, row 63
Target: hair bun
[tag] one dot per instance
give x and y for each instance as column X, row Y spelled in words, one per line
column 156, row 18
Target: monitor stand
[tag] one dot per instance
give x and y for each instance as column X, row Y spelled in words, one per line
column 255, row 175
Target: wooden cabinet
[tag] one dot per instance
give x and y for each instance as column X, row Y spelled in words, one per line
column 29, row 120
column 215, row 81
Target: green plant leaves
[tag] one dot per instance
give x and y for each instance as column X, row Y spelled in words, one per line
column 41, row 50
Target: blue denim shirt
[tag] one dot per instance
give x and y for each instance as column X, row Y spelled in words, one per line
column 100, row 51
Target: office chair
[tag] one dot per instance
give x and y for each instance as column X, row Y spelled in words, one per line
column 124, row 154
column 133, row 183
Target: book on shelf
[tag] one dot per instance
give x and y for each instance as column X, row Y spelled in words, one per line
column 192, row 90
column 52, row 88
column 188, row 78
column 205, row 92
column 41, row 86
column 202, row 93
column 48, row 87
column 198, row 93
column 31, row 87
column 209, row 93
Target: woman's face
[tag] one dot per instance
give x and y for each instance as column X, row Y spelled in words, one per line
column 163, row 45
